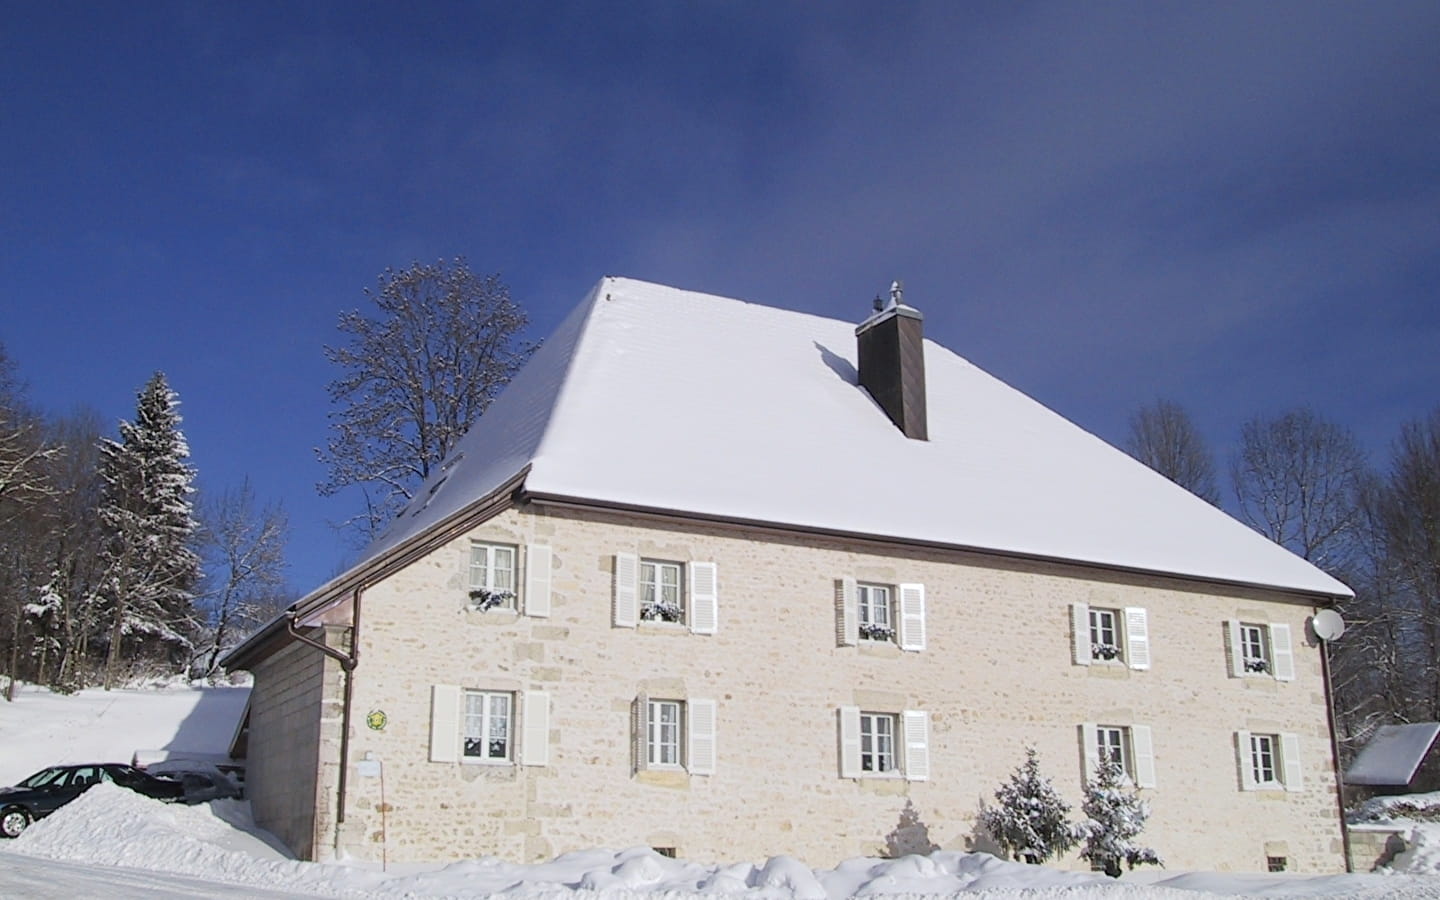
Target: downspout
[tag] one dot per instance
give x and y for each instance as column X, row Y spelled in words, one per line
column 347, row 664
column 1335, row 753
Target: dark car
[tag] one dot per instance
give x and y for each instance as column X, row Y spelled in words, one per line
column 49, row 789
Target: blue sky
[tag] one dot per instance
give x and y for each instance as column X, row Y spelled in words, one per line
column 1232, row 205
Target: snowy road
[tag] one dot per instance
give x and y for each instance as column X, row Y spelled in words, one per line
column 43, row 879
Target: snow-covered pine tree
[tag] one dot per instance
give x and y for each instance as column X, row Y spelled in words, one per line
column 1113, row 818
column 1032, row 821
column 151, row 568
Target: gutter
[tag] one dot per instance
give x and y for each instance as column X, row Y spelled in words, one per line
column 561, row 501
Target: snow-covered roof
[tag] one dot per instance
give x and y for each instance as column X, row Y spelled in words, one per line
column 655, row 397
column 1393, row 754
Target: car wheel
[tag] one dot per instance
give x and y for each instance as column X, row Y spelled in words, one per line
column 13, row 821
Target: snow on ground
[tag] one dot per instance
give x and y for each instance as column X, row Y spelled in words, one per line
column 123, row 846
column 43, row 729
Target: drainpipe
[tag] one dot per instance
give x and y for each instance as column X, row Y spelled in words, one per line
column 347, row 664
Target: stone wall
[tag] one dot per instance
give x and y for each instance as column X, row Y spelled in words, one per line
column 996, row 674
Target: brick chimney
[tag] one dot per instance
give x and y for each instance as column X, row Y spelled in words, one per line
column 892, row 362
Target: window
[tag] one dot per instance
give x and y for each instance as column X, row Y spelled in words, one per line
column 873, row 601
column 650, row 590
column 1104, row 634
column 662, row 737
column 675, row 734
column 1111, row 744
column 661, row 596
column 1269, row 761
column 1131, row 746
column 1254, row 648
column 879, row 612
column 492, row 576
column 495, row 726
column 1110, row 634
column 1275, row 863
column 877, row 742
column 1260, row 649
column 487, row 735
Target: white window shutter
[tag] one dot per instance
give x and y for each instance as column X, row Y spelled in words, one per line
column 1282, row 656
column 1137, row 637
column 849, row 742
column 916, row 724
column 1143, row 749
column 1233, row 651
column 535, row 742
column 702, row 754
column 847, row 613
column 1080, row 629
column 912, row 617
column 444, row 723
column 627, row 590
column 1290, row 760
column 639, row 742
column 1247, row 769
column 537, row 580
column 1089, row 750
column 704, row 598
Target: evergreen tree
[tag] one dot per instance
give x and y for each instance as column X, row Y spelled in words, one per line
column 1113, row 818
column 151, row 568
column 1032, row 821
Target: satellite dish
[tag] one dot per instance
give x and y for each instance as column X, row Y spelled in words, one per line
column 1327, row 624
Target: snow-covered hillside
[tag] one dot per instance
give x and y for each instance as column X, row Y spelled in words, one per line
column 114, row 843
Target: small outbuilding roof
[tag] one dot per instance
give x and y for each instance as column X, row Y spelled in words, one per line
column 1393, row 755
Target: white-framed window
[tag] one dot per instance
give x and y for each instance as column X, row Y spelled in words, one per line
column 675, row 734
column 492, row 575
column 1131, row 746
column 652, row 590
column 662, row 733
column 1265, row 760
column 1254, row 648
column 475, row 725
column 662, row 594
column 877, row 742
column 1104, row 634
column 488, row 733
column 879, row 612
column 880, row 743
column 873, row 602
column 1269, row 761
column 1260, row 649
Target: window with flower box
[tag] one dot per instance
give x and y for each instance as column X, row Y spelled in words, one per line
column 1110, row 635
column 873, row 601
column 1260, row 649
column 492, row 576
column 1269, row 761
column 653, row 590
column 879, row 613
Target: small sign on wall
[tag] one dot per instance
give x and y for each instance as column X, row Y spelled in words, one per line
column 377, row 720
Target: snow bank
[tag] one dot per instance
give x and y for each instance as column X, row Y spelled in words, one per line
column 1401, row 807
column 45, row 729
column 217, row 842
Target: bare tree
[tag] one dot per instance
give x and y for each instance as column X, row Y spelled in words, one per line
column 1297, row 481
column 1163, row 437
column 415, row 378
column 244, row 552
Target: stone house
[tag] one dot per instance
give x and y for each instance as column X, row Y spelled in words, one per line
column 733, row 581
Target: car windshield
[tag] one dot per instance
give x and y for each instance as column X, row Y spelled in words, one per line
column 54, row 775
